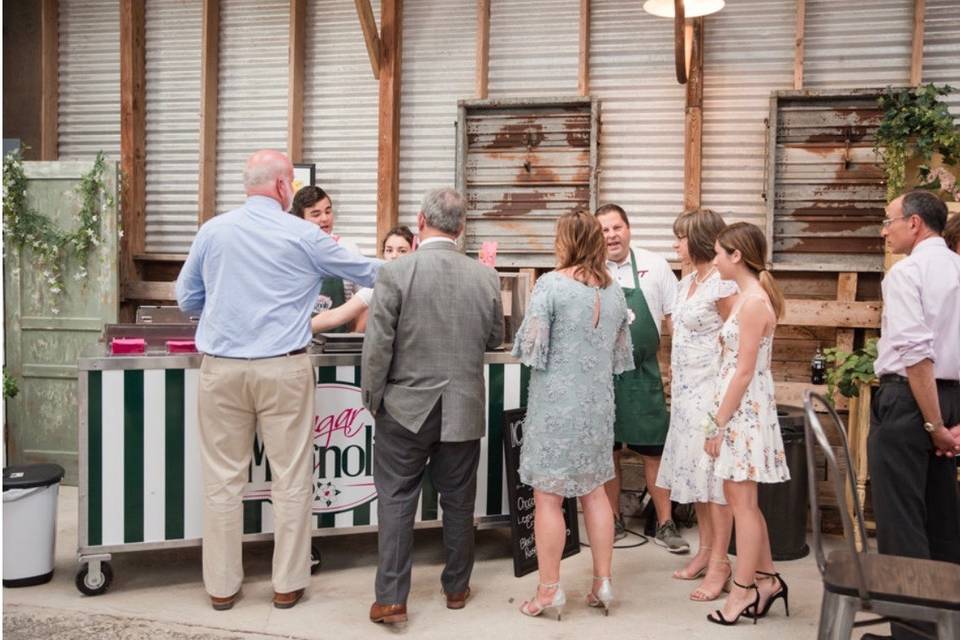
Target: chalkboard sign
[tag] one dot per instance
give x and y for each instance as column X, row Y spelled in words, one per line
column 521, row 502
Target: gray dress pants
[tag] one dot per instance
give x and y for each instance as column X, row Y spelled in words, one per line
column 400, row 459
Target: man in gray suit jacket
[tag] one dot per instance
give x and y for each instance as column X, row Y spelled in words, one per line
column 434, row 314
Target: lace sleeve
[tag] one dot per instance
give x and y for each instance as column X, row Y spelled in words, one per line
column 532, row 343
column 723, row 288
column 623, row 345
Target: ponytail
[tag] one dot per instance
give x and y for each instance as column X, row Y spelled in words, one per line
column 770, row 286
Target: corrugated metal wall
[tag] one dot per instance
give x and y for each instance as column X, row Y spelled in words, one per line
column 941, row 48
column 525, row 165
column 534, row 48
column 89, row 76
column 858, row 44
column 439, row 62
column 748, row 53
column 340, row 117
column 254, row 64
column 830, row 189
column 173, row 34
column 642, row 106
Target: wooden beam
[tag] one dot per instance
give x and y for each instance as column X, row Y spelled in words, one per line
column 49, row 79
column 133, row 133
column 140, row 290
column 693, row 122
column 798, row 44
column 297, row 64
column 916, row 59
column 583, row 76
column 846, row 292
column 388, row 153
column 483, row 47
column 368, row 24
column 829, row 313
column 209, row 96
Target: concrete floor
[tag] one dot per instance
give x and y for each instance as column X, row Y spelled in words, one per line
column 160, row 595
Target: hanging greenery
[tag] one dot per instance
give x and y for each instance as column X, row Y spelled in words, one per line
column 49, row 244
column 846, row 371
column 915, row 123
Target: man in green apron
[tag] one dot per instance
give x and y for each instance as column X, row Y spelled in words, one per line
column 642, row 419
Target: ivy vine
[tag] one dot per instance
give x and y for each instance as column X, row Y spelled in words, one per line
column 846, row 371
column 27, row 229
column 915, row 122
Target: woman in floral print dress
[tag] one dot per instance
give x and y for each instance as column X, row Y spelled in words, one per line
column 743, row 435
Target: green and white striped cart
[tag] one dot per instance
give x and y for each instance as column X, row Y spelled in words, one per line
column 140, row 476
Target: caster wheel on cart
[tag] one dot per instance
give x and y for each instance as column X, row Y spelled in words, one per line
column 315, row 560
column 93, row 587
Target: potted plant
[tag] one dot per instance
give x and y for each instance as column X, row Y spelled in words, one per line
column 916, row 137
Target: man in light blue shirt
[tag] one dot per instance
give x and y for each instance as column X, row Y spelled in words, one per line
column 254, row 274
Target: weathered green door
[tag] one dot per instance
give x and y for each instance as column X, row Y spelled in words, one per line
column 42, row 346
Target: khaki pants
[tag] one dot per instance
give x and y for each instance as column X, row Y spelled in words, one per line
column 235, row 395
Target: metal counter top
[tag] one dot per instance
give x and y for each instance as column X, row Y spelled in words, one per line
column 98, row 359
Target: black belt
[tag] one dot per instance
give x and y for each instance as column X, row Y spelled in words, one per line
column 295, row 352
column 893, row 377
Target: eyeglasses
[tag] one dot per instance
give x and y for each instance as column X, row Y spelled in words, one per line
column 889, row 221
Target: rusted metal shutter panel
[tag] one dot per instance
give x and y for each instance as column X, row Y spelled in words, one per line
column 830, row 189
column 173, row 34
column 439, row 62
column 748, row 54
column 941, row 48
column 642, row 106
column 524, row 166
column 252, row 111
column 857, row 44
column 89, row 77
column 533, row 48
column 340, row 117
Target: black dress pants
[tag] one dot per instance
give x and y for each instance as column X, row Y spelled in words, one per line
column 914, row 492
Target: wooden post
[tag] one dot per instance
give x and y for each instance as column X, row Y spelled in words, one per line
column 209, row 95
column 388, row 155
column 798, row 51
column 368, row 24
column 483, row 47
column 133, row 133
column 297, row 64
column 916, row 59
column 693, row 123
column 583, row 76
column 49, row 79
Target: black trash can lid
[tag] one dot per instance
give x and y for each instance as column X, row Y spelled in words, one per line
column 28, row 476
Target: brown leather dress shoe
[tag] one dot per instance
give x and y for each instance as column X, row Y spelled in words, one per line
column 457, row 600
column 222, row 604
column 287, row 600
column 388, row 613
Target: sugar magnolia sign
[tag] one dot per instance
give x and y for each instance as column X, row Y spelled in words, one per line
column 342, row 453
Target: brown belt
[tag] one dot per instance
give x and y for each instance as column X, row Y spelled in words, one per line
column 295, row 352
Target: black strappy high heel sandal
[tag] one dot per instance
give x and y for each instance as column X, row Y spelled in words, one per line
column 719, row 619
column 783, row 593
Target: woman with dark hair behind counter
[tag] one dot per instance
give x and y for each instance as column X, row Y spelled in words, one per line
column 398, row 242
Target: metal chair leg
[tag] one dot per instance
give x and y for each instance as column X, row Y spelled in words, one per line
column 829, row 606
column 842, row 623
column 948, row 625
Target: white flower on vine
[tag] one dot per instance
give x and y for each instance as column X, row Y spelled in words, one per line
column 55, row 311
column 119, row 233
column 55, row 289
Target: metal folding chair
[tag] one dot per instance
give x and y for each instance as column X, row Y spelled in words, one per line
column 896, row 588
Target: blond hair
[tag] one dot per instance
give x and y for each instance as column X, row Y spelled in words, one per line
column 580, row 245
column 751, row 242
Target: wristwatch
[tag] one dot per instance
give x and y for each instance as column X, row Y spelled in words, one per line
column 930, row 427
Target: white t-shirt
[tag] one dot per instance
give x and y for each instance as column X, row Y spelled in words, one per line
column 656, row 279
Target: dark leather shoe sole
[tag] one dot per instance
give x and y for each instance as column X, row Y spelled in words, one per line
column 224, row 604
column 287, row 600
column 457, row 600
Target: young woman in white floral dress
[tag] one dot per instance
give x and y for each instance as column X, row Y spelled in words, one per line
column 703, row 302
column 743, row 435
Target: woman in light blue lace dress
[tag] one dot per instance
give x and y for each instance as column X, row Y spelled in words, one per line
column 575, row 337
